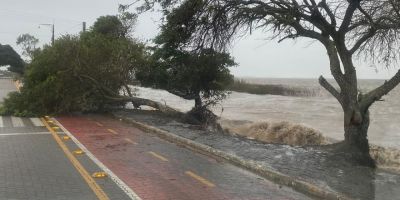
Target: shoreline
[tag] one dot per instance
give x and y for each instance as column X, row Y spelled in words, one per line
column 304, row 164
column 323, row 114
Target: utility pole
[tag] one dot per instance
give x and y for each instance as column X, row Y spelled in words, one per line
column 83, row 26
column 52, row 35
column 52, row 31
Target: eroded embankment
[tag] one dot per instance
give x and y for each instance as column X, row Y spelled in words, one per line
column 300, row 135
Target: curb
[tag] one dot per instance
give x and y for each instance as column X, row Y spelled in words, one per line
column 270, row 174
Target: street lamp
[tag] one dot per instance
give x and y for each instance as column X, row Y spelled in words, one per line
column 52, row 31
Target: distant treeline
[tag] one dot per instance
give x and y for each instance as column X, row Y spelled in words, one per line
column 240, row 85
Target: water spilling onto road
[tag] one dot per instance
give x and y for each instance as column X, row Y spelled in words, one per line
column 321, row 111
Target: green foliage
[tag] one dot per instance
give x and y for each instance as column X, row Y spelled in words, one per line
column 109, row 25
column 8, row 56
column 180, row 25
column 201, row 76
column 15, row 104
column 81, row 74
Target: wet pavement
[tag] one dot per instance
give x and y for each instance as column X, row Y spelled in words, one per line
column 308, row 164
column 34, row 167
column 156, row 169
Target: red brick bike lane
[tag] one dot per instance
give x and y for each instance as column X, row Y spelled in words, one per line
column 158, row 170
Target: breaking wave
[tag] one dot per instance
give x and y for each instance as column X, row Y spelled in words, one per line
column 300, row 135
column 276, row 132
column 386, row 158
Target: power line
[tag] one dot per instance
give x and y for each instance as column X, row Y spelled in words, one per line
column 16, row 35
column 59, row 33
column 27, row 14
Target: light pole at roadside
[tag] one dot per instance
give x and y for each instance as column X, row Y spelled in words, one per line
column 52, row 31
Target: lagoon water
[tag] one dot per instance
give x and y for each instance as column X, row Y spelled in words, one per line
column 316, row 108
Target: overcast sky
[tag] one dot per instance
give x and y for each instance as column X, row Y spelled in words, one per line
column 256, row 56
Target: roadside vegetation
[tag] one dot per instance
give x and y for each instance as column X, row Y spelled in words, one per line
column 79, row 73
column 94, row 71
column 8, row 57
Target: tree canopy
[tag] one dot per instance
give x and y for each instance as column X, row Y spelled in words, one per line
column 109, row 25
column 8, row 56
column 78, row 73
column 192, row 76
column 201, row 75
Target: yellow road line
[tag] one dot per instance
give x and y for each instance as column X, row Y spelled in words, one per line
column 130, row 141
column 99, row 124
column 112, row 131
column 158, row 156
column 86, row 176
column 199, row 178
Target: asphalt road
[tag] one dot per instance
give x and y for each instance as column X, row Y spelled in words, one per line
column 34, row 167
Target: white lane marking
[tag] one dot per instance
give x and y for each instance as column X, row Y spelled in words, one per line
column 36, row 121
column 34, row 133
column 1, row 122
column 17, row 122
column 113, row 177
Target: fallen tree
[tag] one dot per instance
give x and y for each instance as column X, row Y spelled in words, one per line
column 82, row 73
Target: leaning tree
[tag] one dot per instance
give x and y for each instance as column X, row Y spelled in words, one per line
column 347, row 29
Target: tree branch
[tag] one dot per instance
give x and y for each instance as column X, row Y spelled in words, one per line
column 184, row 95
column 379, row 92
column 332, row 90
column 136, row 101
column 334, row 64
column 353, row 4
column 145, row 102
column 362, row 40
column 331, row 15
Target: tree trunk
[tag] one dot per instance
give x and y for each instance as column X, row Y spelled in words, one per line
column 134, row 104
column 356, row 114
column 146, row 102
column 197, row 101
column 356, row 139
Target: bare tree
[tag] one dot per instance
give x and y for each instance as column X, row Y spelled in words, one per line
column 346, row 28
